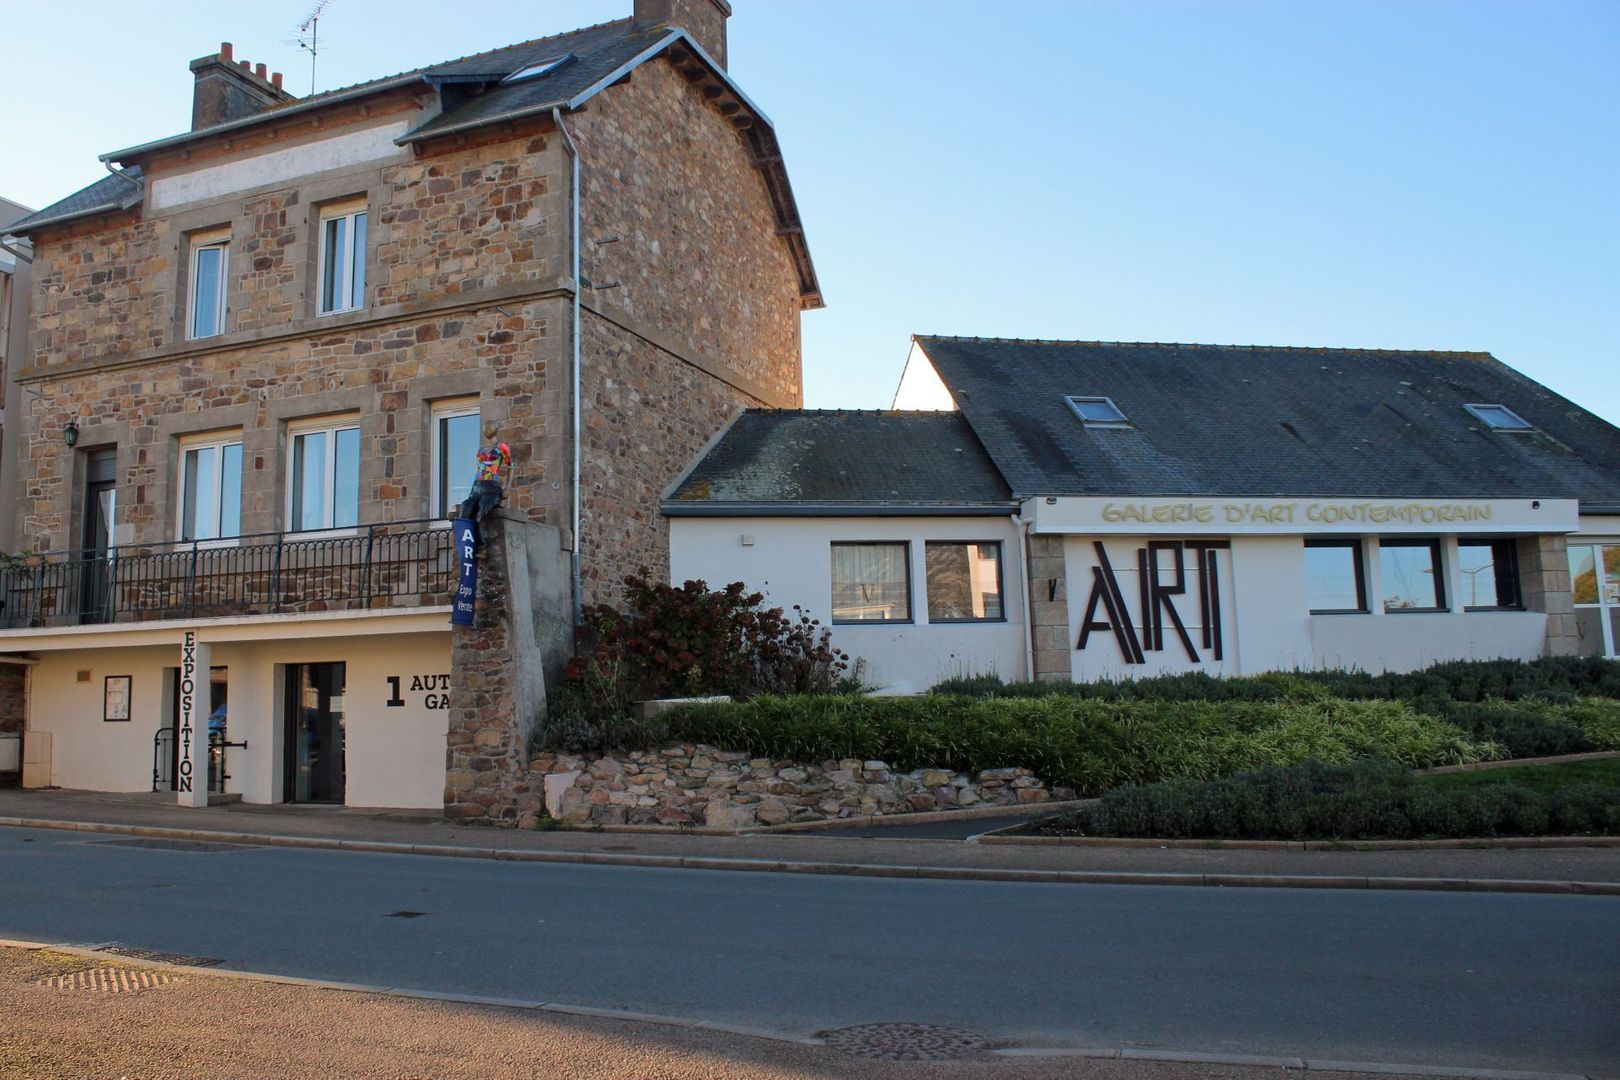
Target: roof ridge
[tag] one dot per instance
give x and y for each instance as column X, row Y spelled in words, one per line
column 1200, row 345
column 453, row 60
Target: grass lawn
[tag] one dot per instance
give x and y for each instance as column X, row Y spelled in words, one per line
column 1543, row 778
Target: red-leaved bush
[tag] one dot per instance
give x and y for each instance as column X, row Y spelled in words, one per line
column 685, row 641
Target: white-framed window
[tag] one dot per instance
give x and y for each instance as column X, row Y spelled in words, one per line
column 208, row 264
column 210, row 487
column 343, row 258
column 455, row 453
column 1499, row 417
column 323, row 474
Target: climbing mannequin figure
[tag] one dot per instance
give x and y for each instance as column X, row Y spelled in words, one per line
column 494, row 459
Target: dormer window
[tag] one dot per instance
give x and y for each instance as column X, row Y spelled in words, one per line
column 544, row 67
column 1098, row 412
column 1499, row 418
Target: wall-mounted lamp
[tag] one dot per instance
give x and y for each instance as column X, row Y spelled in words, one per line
column 70, row 434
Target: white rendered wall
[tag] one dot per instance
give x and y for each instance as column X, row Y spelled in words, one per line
column 351, row 148
column 790, row 561
column 1268, row 625
column 394, row 755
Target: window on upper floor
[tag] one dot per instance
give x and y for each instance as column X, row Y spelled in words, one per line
column 964, row 581
column 1411, row 574
column 1490, row 570
column 210, row 487
column 871, row 582
column 1098, row 412
column 343, row 258
column 1334, row 579
column 205, row 296
column 323, row 478
column 455, row 453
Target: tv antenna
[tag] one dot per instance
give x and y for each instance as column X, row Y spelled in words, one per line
column 309, row 37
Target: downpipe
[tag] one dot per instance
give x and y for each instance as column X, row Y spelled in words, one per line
column 1023, row 525
column 574, row 394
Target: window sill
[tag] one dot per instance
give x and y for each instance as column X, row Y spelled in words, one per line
column 1504, row 607
column 212, row 545
column 874, row 622
column 1417, row 611
column 966, row 622
column 323, row 534
column 1341, row 611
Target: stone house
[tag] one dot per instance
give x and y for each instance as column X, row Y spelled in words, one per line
column 259, row 358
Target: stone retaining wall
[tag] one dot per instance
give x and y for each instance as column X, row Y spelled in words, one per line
column 690, row 785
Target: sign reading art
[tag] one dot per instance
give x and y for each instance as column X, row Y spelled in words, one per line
column 1261, row 515
column 1169, row 573
column 464, row 607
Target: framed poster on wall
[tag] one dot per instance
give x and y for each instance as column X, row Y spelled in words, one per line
column 115, row 698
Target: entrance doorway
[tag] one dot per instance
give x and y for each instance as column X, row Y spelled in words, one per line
column 315, row 733
column 100, row 500
column 166, row 746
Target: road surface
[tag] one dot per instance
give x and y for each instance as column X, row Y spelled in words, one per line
column 1486, row 980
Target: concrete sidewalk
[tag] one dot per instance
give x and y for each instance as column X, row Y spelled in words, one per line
column 1547, row 869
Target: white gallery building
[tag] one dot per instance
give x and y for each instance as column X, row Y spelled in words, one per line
column 1081, row 510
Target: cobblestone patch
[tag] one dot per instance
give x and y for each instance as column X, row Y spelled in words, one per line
column 905, row 1042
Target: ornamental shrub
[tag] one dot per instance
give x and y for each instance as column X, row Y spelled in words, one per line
column 1087, row 744
column 682, row 641
column 1364, row 800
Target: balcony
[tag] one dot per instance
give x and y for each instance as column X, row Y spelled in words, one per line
column 397, row 564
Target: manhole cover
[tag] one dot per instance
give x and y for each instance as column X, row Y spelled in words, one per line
column 905, row 1042
column 110, row 980
column 162, row 957
column 202, row 847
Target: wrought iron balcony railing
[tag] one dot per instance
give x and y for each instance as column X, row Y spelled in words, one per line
column 407, row 563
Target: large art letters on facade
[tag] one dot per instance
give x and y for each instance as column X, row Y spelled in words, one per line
column 1157, row 599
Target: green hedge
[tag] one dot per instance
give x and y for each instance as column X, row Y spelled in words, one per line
column 1087, row 744
column 1562, row 679
column 1367, row 800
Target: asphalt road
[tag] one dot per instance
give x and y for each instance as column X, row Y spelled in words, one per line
column 1488, row 980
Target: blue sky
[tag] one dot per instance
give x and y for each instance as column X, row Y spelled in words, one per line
column 1414, row 174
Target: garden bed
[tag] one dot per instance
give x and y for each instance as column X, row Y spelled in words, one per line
column 1367, row 800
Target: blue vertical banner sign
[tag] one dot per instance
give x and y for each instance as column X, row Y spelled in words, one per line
column 466, row 534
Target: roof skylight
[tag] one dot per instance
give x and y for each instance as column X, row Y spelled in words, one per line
column 1500, row 418
column 544, row 67
column 1098, row 412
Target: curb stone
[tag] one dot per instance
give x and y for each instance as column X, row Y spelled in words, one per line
column 950, row 873
column 1119, row 1053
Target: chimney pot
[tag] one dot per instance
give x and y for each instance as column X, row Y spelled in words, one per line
column 245, row 65
column 262, row 70
column 225, row 50
column 275, row 79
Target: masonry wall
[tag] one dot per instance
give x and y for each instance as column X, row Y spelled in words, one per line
column 679, row 222
column 461, row 302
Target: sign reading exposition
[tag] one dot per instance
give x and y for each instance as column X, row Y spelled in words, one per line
column 466, row 534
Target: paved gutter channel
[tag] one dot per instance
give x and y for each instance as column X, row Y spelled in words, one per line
column 957, row 873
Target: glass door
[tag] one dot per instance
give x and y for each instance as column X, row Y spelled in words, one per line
column 1594, row 578
column 315, row 733
column 100, row 501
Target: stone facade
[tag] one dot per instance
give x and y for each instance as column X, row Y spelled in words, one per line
column 691, row 301
column 1544, row 581
column 695, row 785
column 1049, row 609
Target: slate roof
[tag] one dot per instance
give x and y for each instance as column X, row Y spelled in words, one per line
column 111, row 192
column 596, row 52
column 1252, row 420
column 793, row 461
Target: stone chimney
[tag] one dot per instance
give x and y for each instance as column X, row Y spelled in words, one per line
column 229, row 89
column 704, row 20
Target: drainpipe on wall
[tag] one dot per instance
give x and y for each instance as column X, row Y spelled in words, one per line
column 573, row 199
column 1023, row 588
